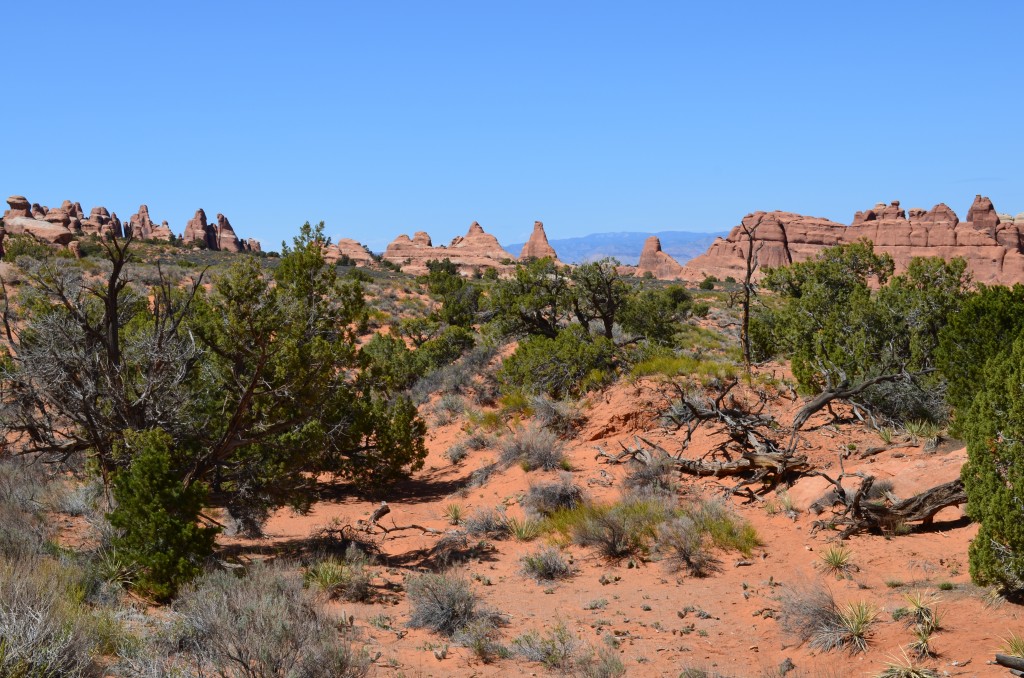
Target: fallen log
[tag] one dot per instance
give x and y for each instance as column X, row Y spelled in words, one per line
column 1010, row 662
column 860, row 515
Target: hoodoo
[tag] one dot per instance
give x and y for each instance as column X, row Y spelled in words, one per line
column 656, row 262
column 538, row 247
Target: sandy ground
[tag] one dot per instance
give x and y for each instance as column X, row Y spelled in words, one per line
column 660, row 621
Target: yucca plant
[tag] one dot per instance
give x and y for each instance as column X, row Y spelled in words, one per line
column 921, row 646
column 856, row 620
column 905, row 667
column 923, row 611
column 837, row 560
column 1013, row 645
column 453, row 514
column 522, row 529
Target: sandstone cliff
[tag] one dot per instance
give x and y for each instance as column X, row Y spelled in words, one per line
column 991, row 245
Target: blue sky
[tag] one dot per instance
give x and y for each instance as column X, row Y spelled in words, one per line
column 388, row 117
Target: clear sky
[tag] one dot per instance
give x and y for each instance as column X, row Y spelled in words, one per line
column 388, row 117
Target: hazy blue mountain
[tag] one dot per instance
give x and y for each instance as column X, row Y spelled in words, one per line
column 626, row 247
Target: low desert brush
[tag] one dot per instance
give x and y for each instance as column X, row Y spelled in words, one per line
column 547, row 564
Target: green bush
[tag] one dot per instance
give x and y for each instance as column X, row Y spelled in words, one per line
column 445, row 349
column 564, row 366
column 993, row 476
column 25, row 246
column 157, row 517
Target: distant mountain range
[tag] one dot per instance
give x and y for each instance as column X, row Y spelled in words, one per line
column 626, row 247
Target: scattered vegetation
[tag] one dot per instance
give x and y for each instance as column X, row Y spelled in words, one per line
column 547, row 564
column 813, row 615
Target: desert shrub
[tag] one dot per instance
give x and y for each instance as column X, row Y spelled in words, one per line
column 390, row 363
column 446, row 348
column 41, row 631
column 561, row 416
column 23, row 532
column 619, row 530
column 26, row 246
column 547, row 564
column 556, row 649
column 686, row 547
column 813, row 614
column 453, row 545
column 604, row 663
column 568, row 364
column 546, row 498
column 487, row 523
column 346, row 578
column 264, row 624
column 708, row 283
column 448, row 408
column 656, row 477
column 457, row 452
column 480, row 476
column 657, row 314
column 478, row 440
column 442, row 603
column 726, row 530
column 480, row 636
column 534, row 448
column 158, row 517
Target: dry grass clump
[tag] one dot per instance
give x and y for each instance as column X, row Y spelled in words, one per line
column 263, row 624
column 557, row 649
column 42, row 633
column 442, row 603
column 564, row 417
column 657, row 477
column 487, row 523
column 547, row 564
column 348, row 578
column 534, row 448
column 813, row 615
column 686, row 547
column 617, row 531
column 544, row 499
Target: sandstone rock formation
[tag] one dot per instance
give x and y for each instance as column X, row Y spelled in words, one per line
column 100, row 223
column 656, row 262
column 253, row 245
column 19, row 207
column 475, row 251
column 19, row 220
column 140, row 225
column 353, row 250
column 992, row 247
column 197, row 230
column 538, row 247
column 227, row 240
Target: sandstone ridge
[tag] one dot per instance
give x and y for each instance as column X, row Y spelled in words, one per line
column 60, row 226
column 992, row 244
column 473, row 252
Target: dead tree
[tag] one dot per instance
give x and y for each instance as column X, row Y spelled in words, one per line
column 750, row 449
column 748, row 283
column 858, row 513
